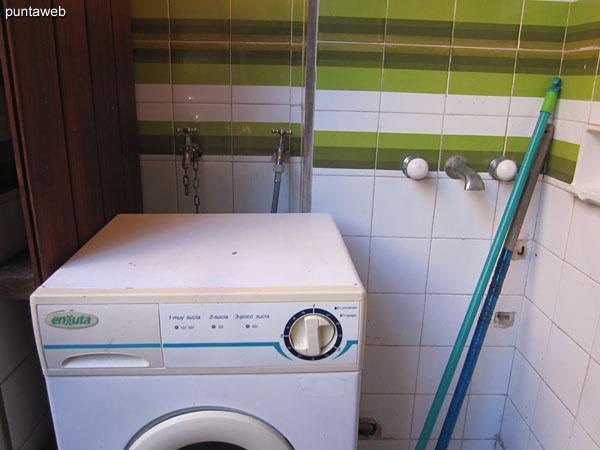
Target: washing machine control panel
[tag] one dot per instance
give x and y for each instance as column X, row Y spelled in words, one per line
column 260, row 334
column 251, row 335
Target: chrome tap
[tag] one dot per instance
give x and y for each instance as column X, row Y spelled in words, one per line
column 458, row 167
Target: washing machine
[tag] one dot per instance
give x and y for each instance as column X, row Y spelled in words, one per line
column 198, row 332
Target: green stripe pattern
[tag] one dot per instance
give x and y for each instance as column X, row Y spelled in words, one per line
column 156, row 137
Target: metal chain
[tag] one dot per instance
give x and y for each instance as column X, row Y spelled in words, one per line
column 186, row 180
column 196, row 187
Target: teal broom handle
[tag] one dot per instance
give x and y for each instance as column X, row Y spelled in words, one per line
column 484, row 278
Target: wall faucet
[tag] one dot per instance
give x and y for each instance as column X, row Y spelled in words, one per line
column 458, row 167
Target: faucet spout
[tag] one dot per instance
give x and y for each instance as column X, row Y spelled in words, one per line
column 458, row 167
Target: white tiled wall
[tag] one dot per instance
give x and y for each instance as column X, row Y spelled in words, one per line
column 554, row 386
column 419, row 247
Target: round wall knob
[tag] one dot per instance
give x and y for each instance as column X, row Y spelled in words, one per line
column 415, row 167
column 313, row 335
column 503, row 169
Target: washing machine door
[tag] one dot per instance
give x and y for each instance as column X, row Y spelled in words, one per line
column 209, row 430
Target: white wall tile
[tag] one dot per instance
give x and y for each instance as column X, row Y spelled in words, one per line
column 392, row 412
column 552, row 422
column 595, row 113
column 253, row 188
column 455, row 265
column 348, row 199
column 403, row 207
column 260, row 113
column 596, row 347
column 154, row 111
column 358, row 247
column 475, row 125
column 444, row 315
column 580, row 440
column 525, row 106
column 383, row 444
column 422, row 406
column 279, row 95
column 583, row 250
column 413, row 102
column 588, row 414
column 568, row 131
column 554, row 218
column 534, row 331
column 516, row 277
column 159, row 188
column 533, row 443
column 492, row 372
column 201, row 93
column 521, row 126
column 543, row 279
column 524, row 386
column 346, row 121
column 16, row 337
column 152, row 93
column 198, row 112
column 331, row 100
column 565, row 367
column 505, row 337
column 432, row 363
column 578, row 306
column 514, row 431
column 216, row 188
column 464, row 214
column 478, row 444
column 398, row 265
column 389, row 370
column 455, row 444
column 477, row 104
column 410, row 123
column 484, row 416
column 24, row 400
column 576, row 110
column 394, row 319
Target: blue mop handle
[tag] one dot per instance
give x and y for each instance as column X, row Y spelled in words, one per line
column 485, row 317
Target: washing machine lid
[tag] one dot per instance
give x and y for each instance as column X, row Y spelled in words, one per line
column 196, row 427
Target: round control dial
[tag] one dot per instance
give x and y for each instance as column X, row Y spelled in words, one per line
column 313, row 334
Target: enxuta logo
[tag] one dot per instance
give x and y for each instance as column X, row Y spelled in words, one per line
column 70, row 319
column 35, row 12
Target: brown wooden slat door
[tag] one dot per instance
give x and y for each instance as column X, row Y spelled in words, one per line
column 78, row 111
column 70, row 94
column 37, row 98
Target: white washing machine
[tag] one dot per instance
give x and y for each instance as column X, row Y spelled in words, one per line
column 197, row 332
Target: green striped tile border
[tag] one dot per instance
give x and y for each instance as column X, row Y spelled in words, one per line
column 422, row 32
column 561, row 161
column 151, row 63
column 352, row 20
column 480, row 23
column 534, row 72
column 298, row 72
column 256, row 138
column 344, row 149
column 485, row 35
column 479, row 150
column 349, row 66
column 199, row 63
column 394, row 147
column 156, row 137
column 544, row 25
column 578, row 74
column 416, row 69
column 261, row 64
column 261, row 20
column 213, row 138
column 481, row 71
column 208, row 20
column 149, row 19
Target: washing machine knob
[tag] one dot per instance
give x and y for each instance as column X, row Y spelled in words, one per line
column 313, row 335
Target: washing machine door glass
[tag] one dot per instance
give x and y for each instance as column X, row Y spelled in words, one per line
column 209, row 430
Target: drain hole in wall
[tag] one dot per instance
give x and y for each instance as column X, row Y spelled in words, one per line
column 504, row 319
column 368, row 428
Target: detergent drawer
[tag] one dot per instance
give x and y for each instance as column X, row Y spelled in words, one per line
column 99, row 336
